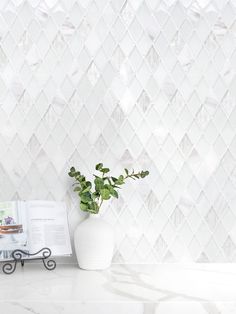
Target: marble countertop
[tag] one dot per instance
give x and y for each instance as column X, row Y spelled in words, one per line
column 136, row 289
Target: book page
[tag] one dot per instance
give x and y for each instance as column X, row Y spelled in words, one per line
column 13, row 228
column 48, row 227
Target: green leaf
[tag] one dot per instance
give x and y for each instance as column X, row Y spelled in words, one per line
column 99, row 183
column 114, row 179
column 105, row 170
column 93, row 208
column 81, row 178
column 86, row 185
column 87, row 189
column 112, row 190
column 120, row 180
column 105, row 194
column 85, row 197
column 77, row 189
column 126, row 171
column 144, row 174
column 114, row 193
column 95, row 195
column 71, row 173
column 99, row 166
column 84, row 206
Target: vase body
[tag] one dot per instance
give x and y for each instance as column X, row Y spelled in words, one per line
column 94, row 243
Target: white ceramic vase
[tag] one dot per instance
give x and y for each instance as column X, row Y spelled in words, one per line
column 94, row 243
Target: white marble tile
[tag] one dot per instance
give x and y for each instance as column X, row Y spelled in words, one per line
column 144, row 84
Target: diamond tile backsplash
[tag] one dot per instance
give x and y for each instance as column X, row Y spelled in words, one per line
column 131, row 83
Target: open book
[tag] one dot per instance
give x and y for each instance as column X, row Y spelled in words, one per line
column 33, row 225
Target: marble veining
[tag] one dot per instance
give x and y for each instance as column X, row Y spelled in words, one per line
column 136, row 289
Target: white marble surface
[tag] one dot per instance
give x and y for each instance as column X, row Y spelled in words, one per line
column 136, row 289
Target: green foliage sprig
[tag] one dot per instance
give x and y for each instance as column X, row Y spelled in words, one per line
column 104, row 187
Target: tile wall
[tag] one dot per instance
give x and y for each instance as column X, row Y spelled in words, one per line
column 144, row 84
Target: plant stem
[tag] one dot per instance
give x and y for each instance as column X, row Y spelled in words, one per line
column 99, row 206
column 130, row 176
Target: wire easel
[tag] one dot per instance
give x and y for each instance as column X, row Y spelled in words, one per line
column 22, row 256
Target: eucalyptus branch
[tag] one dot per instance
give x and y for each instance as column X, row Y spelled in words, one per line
column 103, row 187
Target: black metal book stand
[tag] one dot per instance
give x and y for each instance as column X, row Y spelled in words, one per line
column 21, row 256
